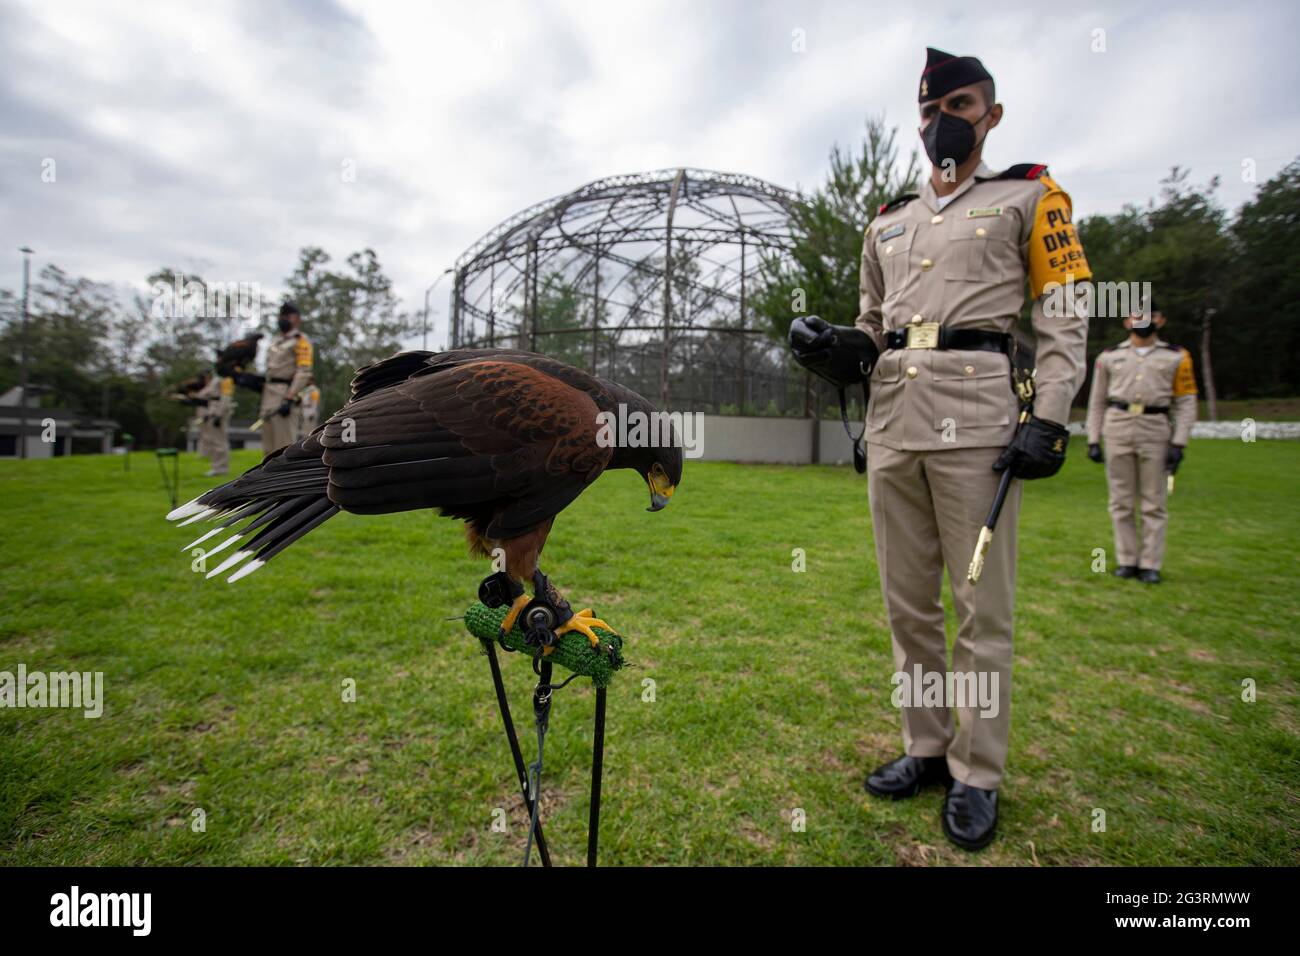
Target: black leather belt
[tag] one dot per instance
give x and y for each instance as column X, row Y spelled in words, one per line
column 281, row 381
column 930, row 335
column 1137, row 408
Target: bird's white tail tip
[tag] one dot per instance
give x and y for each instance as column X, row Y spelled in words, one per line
column 245, row 571
column 185, row 510
column 203, row 537
column 230, row 562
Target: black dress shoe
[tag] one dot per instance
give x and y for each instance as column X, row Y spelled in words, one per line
column 904, row 777
column 1126, row 571
column 1149, row 576
column 970, row 816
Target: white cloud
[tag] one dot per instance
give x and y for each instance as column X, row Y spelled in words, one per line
column 215, row 136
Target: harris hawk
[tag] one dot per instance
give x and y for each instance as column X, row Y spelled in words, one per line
column 500, row 438
column 237, row 357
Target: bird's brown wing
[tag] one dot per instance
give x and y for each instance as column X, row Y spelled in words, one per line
column 493, row 440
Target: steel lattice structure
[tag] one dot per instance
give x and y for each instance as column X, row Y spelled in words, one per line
column 645, row 279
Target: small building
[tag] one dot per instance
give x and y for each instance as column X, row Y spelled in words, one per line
column 49, row 432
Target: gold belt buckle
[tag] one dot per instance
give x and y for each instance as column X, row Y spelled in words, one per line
column 923, row 335
column 1136, row 408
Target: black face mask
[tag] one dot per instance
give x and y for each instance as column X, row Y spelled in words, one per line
column 950, row 137
column 284, row 324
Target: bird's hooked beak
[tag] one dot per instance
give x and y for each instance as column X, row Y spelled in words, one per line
column 661, row 489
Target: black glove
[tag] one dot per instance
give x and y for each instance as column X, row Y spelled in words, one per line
column 844, row 355
column 250, row 380
column 1173, row 458
column 285, row 408
column 1094, row 452
column 1037, row 451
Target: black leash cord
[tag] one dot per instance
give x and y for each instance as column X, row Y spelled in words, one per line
column 542, row 715
column 859, row 453
column 503, row 704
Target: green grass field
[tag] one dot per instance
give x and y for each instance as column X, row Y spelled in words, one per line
column 770, row 688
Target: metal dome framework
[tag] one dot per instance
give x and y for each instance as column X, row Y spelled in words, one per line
column 645, row 279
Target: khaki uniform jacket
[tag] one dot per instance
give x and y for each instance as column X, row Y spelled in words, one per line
column 220, row 393
column 1161, row 378
column 288, row 357
column 965, row 267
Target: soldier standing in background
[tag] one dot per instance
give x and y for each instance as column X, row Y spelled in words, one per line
column 217, row 397
column 288, row 373
column 1143, row 404
column 942, row 284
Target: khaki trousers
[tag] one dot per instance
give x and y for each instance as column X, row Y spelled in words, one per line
column 277, row 430
column 927, row 509
column 214, row 444
column 1135, row 474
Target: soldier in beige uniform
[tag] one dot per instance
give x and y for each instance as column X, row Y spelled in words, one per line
column 942, row 284
column 218, row 401
column 1143, row 404
column 288, row 372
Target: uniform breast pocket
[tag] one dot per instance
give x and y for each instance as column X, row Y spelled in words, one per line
column 884, row 391
column 972, row 390
column 894, row 255
column 977, row 248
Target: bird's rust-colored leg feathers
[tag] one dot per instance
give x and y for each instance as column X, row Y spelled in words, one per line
column 521, row 556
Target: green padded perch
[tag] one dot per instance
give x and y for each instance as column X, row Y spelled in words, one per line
column 573, row 650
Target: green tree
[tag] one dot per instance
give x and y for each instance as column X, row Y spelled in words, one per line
column 1262, row 351
column 69, row 320
column 821, row 272
column 351, row 316
column 1180, row 244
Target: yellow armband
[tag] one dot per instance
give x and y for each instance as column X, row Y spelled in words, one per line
column 1185, row 378
column 1055, row 254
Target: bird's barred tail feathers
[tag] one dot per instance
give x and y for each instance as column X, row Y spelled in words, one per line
column 281, row 500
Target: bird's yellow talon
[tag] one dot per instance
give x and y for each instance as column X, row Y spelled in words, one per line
column 512, row 615
column 583, row 623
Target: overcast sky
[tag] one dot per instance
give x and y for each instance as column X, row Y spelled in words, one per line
column 214, row 137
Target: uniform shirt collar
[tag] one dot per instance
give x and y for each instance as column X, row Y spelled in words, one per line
column 1128, row 343
column 931, row 199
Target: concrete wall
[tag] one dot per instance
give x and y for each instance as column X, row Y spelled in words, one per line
column 790, row 441
column 800, row 441
column 741, row 438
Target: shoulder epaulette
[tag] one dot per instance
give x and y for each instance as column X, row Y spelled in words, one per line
column 1023, row 171
column 895, row 203
column 1018, row 171
column 1170, row 345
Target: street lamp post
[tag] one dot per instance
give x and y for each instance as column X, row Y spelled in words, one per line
column 22, row 392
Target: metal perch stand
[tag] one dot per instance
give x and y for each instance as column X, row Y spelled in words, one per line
column 574, row 652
